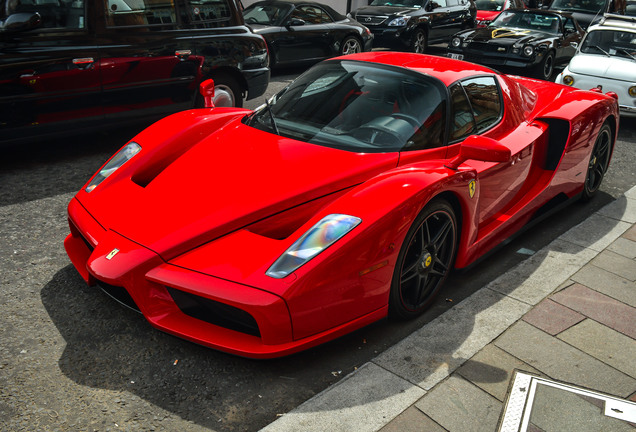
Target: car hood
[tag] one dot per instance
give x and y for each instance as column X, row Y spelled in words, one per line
column 602, row 66
column 505, row 35
column 385, row 10
column 225, row 181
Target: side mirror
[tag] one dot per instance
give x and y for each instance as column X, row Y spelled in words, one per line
column 480, row 148
column 206, row 88
column 295, row 22
column 21, row 21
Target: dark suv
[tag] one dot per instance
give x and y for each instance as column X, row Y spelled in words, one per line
column 71, row 65
column 415, row 23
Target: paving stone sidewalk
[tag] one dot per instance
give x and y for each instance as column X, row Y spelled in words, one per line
column 568, row 313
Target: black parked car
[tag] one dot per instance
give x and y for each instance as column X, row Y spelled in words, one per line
column 415, row 23
column 532, row 39
column 585, row 12
column 302, row 31
column 73, row 65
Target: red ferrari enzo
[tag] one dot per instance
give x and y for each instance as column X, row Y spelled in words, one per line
column 348, row 196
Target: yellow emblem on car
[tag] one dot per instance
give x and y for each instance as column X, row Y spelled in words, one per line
column 471, row 188
column 505, row 32
column 112, row 253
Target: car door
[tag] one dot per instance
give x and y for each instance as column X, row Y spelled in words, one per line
column 305, row 36
column 49, row 78
column 476, row 107
column 440, row 18
column 147, row 61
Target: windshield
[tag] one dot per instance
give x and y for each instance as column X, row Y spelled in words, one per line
column 610, row 42
column 399, row 3
column 585, row 6
column 490, row 5
column 266, row 14
column 358, row 106
column 527, row 20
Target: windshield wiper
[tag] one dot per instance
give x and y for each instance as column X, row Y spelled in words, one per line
column 626, row 53
column 271, row 116
column 601, row 50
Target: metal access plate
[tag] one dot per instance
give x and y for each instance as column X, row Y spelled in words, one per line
column 539, row 404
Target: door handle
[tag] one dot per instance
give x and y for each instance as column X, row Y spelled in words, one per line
column 183, row 54
column 83, row 62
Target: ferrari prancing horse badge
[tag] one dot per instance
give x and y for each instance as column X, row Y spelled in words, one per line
column 471, row 188
column 112, row 253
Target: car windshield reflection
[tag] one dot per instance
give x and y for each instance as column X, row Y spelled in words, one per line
column 528, row 21
column 353, row 106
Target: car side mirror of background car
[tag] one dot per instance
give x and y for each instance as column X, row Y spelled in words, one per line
column 480, row 148
column 206, row 88
column 21, row 21
column 295, row 22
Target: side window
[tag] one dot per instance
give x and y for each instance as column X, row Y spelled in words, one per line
column 439, row 3
column 485, row 100
column 462, row 120
column 124, row 13
column 210, row 13
column 54, row 13
column 569, row 26
column 311, row 15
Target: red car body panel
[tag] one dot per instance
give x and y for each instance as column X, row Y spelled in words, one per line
column 210, row 203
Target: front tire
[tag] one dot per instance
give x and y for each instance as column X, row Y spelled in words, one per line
column 545, row 68
column 599, row 162
column 419, row 41
column 425, row 260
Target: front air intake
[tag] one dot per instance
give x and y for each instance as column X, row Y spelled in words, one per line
column 214, row 312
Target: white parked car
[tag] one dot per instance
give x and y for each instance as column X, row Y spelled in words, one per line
column 606, row 59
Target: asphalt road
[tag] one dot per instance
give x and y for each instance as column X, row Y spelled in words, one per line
column 72, row 359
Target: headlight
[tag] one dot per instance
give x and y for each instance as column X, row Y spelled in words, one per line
column 632, row 91
column 456, row 42
column 528, row 50
column 122, row 156
column 319, row 237
column 399, row 22
column 568, row 80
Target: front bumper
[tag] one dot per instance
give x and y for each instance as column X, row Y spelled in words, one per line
column 257, row 81
column 496, row 60
column 221, row 314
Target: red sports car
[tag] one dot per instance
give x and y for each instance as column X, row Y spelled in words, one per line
column 350, row 195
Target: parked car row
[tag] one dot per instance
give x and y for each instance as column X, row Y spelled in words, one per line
column 71, row 66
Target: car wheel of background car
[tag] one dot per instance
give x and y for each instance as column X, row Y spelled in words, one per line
column 350, row 45
column 546, row 67
column 599, row 161
column 227, row 92
column 425, row 260
column 419, row 41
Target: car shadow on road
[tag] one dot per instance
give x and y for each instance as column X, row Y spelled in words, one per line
column 110, row 347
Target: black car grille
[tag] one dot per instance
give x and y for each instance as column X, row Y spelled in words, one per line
column 371, row 20
column 486, row 47
column 214, row 312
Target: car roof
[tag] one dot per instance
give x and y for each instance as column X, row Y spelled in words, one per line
column 619, row 22
column 443, row 68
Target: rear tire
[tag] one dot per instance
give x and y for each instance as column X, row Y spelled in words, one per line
column 350, row 45
column 599, row 162
column 227, row 92
column 425, row 260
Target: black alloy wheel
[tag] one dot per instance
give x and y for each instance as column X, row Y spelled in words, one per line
column 599, row 162
column 425, row 260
